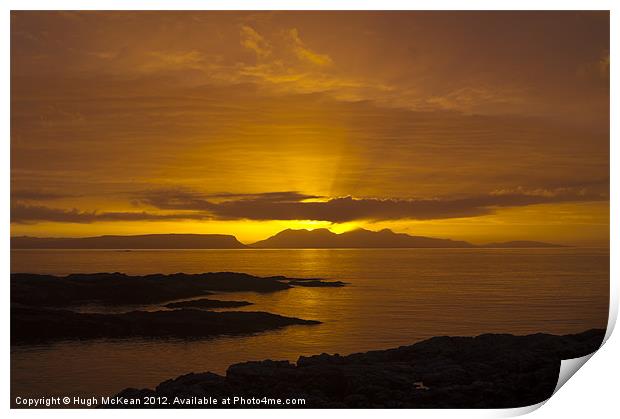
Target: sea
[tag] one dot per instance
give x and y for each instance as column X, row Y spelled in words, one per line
column 393, row 297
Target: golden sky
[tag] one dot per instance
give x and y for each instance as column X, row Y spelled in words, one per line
column 479, row 126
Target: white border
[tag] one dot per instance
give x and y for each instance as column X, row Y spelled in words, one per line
column 593, row 392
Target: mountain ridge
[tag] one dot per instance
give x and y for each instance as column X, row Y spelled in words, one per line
column 386, row 238
column 359, row 238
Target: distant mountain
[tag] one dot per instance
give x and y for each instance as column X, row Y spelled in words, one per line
column 360, row 238
column 146, row 241
column 520, row 244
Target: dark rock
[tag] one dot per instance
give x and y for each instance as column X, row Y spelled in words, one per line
column 487, row 371
column 120, row 289
column 39, row 325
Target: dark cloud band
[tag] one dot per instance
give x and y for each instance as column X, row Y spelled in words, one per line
column 291, row 205
column 27, row 214
column 296, row 206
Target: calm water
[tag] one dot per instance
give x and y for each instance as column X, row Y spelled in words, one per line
column 395, row 297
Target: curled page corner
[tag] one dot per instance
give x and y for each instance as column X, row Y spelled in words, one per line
column 569, row 367
column 519, row 411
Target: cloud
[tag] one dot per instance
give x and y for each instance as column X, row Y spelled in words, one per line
column 603, row 66
column 470, row 98
column 306, row 54
column 37, row 195
column 293, row 205
column 253, row 41
column 597, row 70
column 182, row 199
column 173, row 60
column 431, row 59
column 28, row 214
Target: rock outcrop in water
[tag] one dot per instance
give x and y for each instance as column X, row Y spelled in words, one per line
column 487, row 371
column 36, row 299
column 32, row 325
column 120, row 289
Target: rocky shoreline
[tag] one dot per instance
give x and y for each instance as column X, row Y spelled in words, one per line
column 486, row 371
column 120, row 289
column 31, row 325
column 45, row 308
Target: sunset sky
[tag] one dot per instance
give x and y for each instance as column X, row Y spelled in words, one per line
column 479, row 126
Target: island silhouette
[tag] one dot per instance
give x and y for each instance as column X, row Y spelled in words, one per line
column 143, row 241
column 320, row 238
